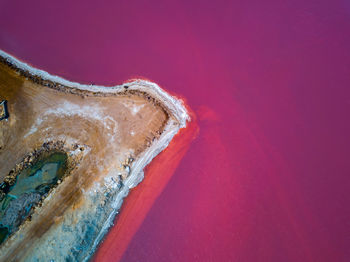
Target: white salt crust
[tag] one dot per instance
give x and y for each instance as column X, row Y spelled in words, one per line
column 174, row 106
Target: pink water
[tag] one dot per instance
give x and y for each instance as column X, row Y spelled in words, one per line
column 267, row 178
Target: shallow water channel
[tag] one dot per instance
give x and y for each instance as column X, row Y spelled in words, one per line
column 31, row 186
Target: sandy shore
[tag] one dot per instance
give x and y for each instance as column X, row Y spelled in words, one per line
column 118, row 131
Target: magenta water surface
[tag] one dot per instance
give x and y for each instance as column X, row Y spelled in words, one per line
column 267, row 178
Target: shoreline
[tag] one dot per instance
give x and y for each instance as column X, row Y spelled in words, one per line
column 173, row 106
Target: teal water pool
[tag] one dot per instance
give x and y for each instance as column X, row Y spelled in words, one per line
column 32, row 185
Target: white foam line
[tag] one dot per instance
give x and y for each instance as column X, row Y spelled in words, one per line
column 136, row 176
column 175, row 106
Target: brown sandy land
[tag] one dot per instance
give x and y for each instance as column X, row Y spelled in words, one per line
column 141, row 199
column 112, row 129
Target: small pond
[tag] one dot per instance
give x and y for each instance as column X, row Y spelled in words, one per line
column 31, row 186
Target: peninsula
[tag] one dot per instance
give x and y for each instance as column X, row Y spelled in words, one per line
column 69, row 154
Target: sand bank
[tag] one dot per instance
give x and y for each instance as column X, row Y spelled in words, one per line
column 121, row 129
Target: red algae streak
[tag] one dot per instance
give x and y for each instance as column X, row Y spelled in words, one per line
column 140, row 199
column 267, row 177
